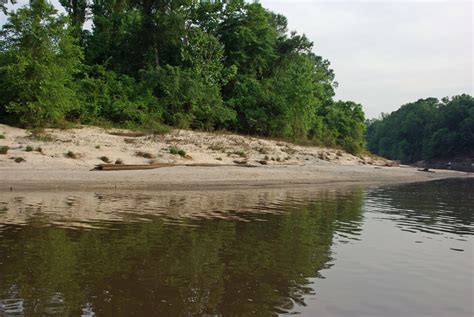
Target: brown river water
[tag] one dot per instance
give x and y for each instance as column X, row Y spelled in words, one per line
column 404, row 250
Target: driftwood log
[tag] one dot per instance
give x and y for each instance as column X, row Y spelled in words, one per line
column 130, row 167
column 426, row 169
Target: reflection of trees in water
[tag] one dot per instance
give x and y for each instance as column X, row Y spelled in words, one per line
column 434, row 207
column 256, row 267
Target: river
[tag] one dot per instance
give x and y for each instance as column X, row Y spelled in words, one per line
column 404, row 250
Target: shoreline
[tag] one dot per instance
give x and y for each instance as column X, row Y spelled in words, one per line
column 215, row 178
column 56, row 159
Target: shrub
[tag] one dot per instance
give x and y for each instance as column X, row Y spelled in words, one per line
column 19, row 160
column 39, row 149
column 119, row 162
column 2, row 137
column 240, row 153
column 144, row 154
column 175, row 151
column 29, row 148
column 4, row 149
column 105, row 159
column 72, row 155
column 42, row 137
column 217, row 147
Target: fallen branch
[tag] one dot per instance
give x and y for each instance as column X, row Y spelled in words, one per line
column 130, row 167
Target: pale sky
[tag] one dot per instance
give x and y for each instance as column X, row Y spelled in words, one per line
column 387, row 53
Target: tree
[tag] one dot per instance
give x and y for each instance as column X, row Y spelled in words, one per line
column 77, row 10
column 248, row 36
column 3, row 5
column 344, row 125
column 191, row 64
column 38, row 60
column 425, row 129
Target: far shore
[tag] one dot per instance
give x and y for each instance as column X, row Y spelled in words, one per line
column 47, row 163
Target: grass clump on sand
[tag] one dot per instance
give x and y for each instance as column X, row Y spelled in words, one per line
column 38, row 135
column 29, row 148
column 72, row 155
column 2, row 137
column 176, row 151
column 19, row 160
column 4, row 149
column 240, row 153
column 144, row 154
column 105, row 159
column 217, row 148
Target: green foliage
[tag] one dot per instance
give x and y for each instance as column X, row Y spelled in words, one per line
column 176, row 151
column 427, row 128
column 248, row 36
column 4, row 149
column 152, row 64
column 344, row 126
column 188, row 101
column 38, row 58
column 115, row 98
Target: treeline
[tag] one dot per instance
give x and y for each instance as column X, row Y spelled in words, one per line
column 189, row 64
column 427, row 128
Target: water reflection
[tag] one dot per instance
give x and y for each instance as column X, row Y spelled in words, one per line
column 217, row 253
column 236, row 253
column 432, row 207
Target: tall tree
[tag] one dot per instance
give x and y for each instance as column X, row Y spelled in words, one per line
column 427, row 128
column 3, row 5
column 38, row 59
column 77, row 11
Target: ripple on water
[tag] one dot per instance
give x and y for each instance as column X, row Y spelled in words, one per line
column 239, row 252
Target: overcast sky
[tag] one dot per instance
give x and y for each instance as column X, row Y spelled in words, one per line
column 387, row 53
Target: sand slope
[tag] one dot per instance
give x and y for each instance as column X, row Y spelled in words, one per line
column 47, row 165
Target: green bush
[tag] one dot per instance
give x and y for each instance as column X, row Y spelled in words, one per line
column 176, row 151
column 4, row 149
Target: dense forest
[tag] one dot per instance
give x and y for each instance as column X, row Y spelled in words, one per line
column 207, row 65
column 428, row 128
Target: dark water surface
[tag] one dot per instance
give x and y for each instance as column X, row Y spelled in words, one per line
column 390, row 251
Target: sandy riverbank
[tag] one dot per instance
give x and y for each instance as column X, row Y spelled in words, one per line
column 276, row 164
